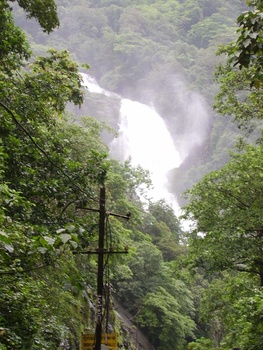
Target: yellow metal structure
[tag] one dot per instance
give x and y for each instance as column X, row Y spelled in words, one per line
column 108, row 339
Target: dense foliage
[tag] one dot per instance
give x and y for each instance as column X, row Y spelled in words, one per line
column 51, row 172
column 203, row 295
column 40, row 176
column 226, row 238
column 161, row 53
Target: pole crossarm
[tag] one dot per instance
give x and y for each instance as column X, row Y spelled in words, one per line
column 101, row 251
column 127, row 216
column 97, row 251
column 107, row 213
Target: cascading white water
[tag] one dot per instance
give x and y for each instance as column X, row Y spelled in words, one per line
column 143, row 137
column 92, row 85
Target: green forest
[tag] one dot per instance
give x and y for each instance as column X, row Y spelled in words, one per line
column 194, row 289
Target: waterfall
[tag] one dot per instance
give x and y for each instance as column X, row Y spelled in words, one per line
column 92, row 85
column 143, row 137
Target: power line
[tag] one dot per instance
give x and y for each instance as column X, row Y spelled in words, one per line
column 41, row 150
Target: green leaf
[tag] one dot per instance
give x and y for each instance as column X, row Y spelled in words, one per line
column 42, row 250
column 246, row 42
column 71, row 228
column 60, row 230
column 4, row 238
column 73, row 243
column 65, row 237
column 50, row 240
column 9, row 248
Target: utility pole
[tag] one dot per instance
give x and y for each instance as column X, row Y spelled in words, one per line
column 100, row 252
column 102, row 212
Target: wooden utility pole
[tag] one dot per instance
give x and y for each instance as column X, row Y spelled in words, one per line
column 102, row 212
column 87, row 338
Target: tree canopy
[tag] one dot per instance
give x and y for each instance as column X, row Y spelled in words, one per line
column 226, row 238
column 44, row 11
column 206, row 293
column 51, row 171
column 40, row 178
column 226, row 205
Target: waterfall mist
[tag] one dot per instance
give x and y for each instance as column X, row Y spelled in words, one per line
column 144, row 137
column 192, row 118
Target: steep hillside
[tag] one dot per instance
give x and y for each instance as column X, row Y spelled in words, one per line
column 182, row 289
column 158, row 52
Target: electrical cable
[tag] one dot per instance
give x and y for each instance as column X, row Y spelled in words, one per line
column 108, row 244
column 9, row 111
column 2, row 273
